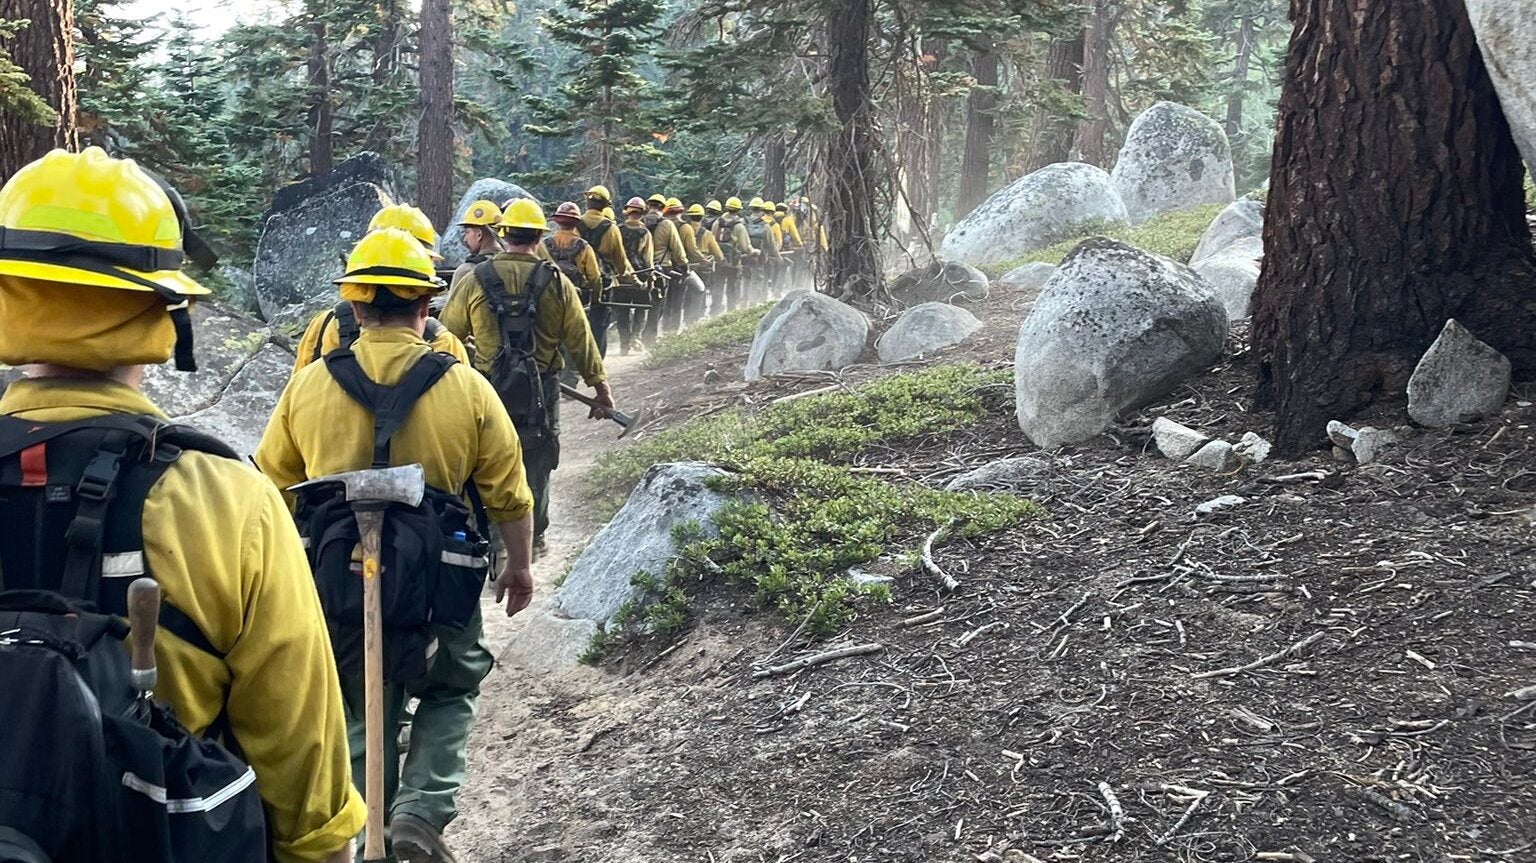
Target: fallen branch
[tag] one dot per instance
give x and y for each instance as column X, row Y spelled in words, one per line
column 925, row 617
column 1267, row 660
column 1116, row 812
column 1398, row 811
column 1179, row 824
column 1295, row 477
column 948, row 581
column 818, row 659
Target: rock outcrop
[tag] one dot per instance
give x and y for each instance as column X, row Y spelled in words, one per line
column 940, row 282
column 924, row 329
column 1057, row 202
column 807, row 331
column 1240, row 219
column 1459, row 379
column 639, row 539
column 497, row 191
column 1233, row 273
column 1030, row 277
column 1115, row 328
column 307, row 234
column 1019, row 475
column 1506, row 36
column 1174, row 158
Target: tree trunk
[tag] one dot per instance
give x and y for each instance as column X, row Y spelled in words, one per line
column 1234, row 120
column 1050, row 139
column 773, row 167
column 45, row 51
column 1395, row 204
column 321, row 144
column 1098, row 38
column 976, row 161
column 386, row 43
column 919, row 131
column 854, row 261
column 434, row 137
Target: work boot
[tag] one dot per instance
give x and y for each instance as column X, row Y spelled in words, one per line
column 416, row 841
column 540, row 548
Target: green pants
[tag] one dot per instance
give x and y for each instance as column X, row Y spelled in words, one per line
column 541, row 455
column 426, row 783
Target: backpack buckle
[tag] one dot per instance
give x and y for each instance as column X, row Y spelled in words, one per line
column 99, row 476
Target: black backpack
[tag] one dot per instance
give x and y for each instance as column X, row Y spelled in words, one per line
column 526, row 392
column 94, row 770
column 347, row 330
column 434, row 560
column 565, row 258
column 633, row 237
column 594, row 238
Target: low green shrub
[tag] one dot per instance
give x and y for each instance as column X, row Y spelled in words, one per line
column 736, row 327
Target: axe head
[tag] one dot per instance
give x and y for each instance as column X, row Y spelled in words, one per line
column 630, row 422
column 406, row 484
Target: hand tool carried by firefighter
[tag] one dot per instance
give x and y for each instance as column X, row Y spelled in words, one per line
column 370, row 493
column 627, row 422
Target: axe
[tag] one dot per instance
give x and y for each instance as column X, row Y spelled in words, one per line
column 370, row 492
column 627, row 422
column 143, row 620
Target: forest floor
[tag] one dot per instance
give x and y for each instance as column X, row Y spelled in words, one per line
column 1095, row 650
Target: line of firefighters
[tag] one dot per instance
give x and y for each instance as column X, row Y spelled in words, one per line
column 664, row 265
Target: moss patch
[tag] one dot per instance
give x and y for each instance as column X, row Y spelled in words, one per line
column 732, row 328
column 1172, row 235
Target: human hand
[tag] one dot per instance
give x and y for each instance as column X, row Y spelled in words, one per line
column 515, row 584
column 604, row 397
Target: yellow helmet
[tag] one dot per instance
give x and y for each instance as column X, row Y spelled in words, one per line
column 600, row 191
column 89, row 219
column 410, row 220
column 696, row 210
column 733, row 204
column 673, row 204
column 756, row 204
column 658, row 199
column 714, row 206
column 393, row 260
column 608, row 214
column 481, row 214
column 524, row 213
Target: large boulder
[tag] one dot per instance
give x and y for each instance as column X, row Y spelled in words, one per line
column 492, row 189
column 1506, row 35
column 1174, row 158
column 1030, row 277
column 241, row 373
column 940, row 282
column 924, row 329
column 1459, row 379
column 807, row 331
column 1239, row 220
column 639, row 539
column 304, row 241
column 1233, row 273
column 1115, row 328
column 1057, row 202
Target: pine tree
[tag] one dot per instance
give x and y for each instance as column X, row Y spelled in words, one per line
column 41, row 60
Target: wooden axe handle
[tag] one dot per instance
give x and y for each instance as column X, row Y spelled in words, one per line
column 143, row 620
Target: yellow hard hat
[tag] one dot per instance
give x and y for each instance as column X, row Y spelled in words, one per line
column 658, row 199
column 733, row 204
column 696, row 209
column 756, row 204
column 608, row 213
column 89, row 219
column 410, row 220
column 714, row 206
column 393, row 260
column 673, row 204
column 481, row 214
column 600, row 191
column 781, row 207
column 524, row 213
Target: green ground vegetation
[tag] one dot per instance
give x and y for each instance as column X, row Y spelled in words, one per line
column 735, row 327
column 1172, row 235
column 804, row 518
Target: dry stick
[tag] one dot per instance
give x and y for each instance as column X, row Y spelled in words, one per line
column 1267, row 660
column 925, row 617
column 1116, row 812
column 1179, row 824
column 818, row 659
column 948, row 581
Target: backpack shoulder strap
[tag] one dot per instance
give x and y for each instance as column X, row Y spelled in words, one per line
column 319, row 350
column 434, row 330
column 390, row 406
column 493, row 285
column 346, row 324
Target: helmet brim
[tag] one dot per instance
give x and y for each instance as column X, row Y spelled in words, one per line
column 174, row 280
column 397, row 281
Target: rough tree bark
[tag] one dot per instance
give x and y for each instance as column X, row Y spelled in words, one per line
column 980, row 106
column 773, row 167
column 321, row 143
column 1234, row 119
column 1051, row 133
column 1098, row 38
column 434, row 136
column 1395, row 204
column 853, row 266
column 920, row 113
column 44, row 50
